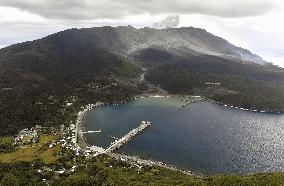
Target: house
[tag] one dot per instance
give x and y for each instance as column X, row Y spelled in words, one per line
column 52, row 145
column 214, row 84
column 25, row 132
column 27, row 136
column 73, row 168
column 69, row 104
column 61, row 171
column 38, row 127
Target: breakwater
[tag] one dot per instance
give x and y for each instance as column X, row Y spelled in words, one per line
column 118, row 143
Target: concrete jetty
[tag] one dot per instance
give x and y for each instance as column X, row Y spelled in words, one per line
column 91, row 131
column 118, row 143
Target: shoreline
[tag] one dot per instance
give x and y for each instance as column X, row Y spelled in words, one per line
column 240, row 108
column 208, row 100
column 81, row 141
column 82, row 144
column 204, row 99
column 149, row 162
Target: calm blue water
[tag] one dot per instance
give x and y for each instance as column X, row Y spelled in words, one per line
column 202, row 137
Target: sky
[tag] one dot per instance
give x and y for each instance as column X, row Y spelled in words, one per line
column 252, row 24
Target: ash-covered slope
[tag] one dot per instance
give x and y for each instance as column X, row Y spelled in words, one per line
column 126, row 40
column 179, row 41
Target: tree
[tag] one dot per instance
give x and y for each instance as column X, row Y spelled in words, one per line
column 9, row 180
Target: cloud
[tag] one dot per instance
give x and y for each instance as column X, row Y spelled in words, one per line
column 169, row 22
column 117, row 9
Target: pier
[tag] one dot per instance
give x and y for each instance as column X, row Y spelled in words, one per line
column 91, row 131
column 118, row 143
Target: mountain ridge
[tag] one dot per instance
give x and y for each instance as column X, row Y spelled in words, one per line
column 189, row 39
column 127, row 39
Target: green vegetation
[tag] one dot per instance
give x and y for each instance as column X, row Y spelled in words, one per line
column 6, row 144
column 249, row 180
column 29, row 153
column 108, row 171
column 38, row 78
column 37, row 82
column 46, row 82
column 244, row 85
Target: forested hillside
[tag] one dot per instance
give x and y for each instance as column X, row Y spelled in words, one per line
column 39, row 78
column 230, row 82
column 108, row 171
column 80, row 66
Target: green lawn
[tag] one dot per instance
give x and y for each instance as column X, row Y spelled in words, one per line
column 28, row 153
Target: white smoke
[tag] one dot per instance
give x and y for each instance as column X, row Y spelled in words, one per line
column 169, row 22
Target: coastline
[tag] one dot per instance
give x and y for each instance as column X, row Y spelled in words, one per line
column 204, row 99
column 208, row 100
column 82, row 144
column 82, row 113
column 80, row 141
column 240, row 108
column 149, row 162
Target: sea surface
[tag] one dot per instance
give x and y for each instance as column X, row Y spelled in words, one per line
column 202, row 137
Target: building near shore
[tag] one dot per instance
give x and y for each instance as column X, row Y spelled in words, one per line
column 26, row 136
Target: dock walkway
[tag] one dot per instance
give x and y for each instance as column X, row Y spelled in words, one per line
column 118, row 143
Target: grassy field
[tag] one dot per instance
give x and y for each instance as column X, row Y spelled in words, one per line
column 28, row 153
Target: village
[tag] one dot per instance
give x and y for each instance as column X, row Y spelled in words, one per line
column 56, row 146
column 67, row 141
column 61, row 142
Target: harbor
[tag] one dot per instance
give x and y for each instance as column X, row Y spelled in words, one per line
column 118, row 143
column 95, row 150
column 177, row 131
